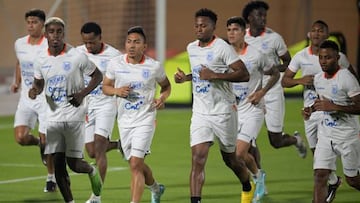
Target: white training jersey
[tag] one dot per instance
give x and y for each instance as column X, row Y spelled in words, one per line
column 308, row 63
column 63, row 76
column 96, row 99
column 26, row 54
column 273, row 46
column 339, row 89
column 136, row 109
column 256, row 64
column 212, row 97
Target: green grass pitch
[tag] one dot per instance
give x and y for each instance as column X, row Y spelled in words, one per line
column 289, row 178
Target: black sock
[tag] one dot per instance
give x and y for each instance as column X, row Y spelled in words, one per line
column 246, row 186
column 195, row 199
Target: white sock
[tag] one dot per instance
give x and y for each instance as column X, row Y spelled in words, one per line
column 332, row 178
column 257, row 175
column 72, row 201
column 51, row 177
column 93, row 172
column 154, row 187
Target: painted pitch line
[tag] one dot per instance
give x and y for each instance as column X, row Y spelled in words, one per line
column 43, row 177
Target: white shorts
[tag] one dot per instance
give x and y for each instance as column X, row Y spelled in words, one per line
column 327, row 151
column 136, row 141
column 249, row 125
column 100, row 122
column 204, row 128
column 311, row 129
column 275, row 111
column 28, row 112
column 65, row 137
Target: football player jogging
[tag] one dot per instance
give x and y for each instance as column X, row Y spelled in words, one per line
column 29, row 111
column 101, row 115
column 250, row 107
column 273, row 46
column 132, row 78
column 338, row 134
column 59, row 73
column 214, row 65
column 307, row 60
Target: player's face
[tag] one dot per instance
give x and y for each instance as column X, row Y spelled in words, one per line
column 257, row 18
column 204, row 28
column 318, row 34
column 55, row 35
column 235, row 33
column 34, row 26
column 135, row 45
column 92, row 42
column 328, row 59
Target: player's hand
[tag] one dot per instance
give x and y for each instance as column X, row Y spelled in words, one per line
column 206, row 74
column 33, row 93
column 14, row 88
column 306, row 112
column 179, row 76
column 255, row 97
column 123, row 91
column 307, row 80
column 158, row 104
column 76, row 99
column 324, row 105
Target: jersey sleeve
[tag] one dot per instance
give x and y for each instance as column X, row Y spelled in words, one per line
column 160, row 75
column 351, row 84
column 37, row 70
column 280, row 45
column 110, row 71
column 294, row 64
column 86, row 65
column 229, row 54
column 343, row 61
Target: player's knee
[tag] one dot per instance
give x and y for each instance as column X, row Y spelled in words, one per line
column 321, row 175
column 91, row 154
column 21, row 139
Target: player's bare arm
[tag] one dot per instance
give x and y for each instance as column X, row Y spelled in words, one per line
column 77, row 98
column 165, row 90
column 259, row 94
column 17, row 79
column 239, row 74
column 286, row 58
column 110, row 90
column 288, row 79
column 328, row 105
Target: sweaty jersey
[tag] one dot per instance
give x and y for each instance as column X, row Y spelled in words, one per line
column 136, row 109
column 256, row 64
column 26, row 55
column 339, row 89
column 308, row 63
column 273, row 46
column 96, row 99
column 63, row 76
column 212, row 97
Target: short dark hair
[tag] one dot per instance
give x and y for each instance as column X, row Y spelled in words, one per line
column 206, row 13
column 237, row 20
column 321, row 22
column 329, row 44
column 36, row 13
column 90, row 27
column 253, row 5
column 137, row 29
